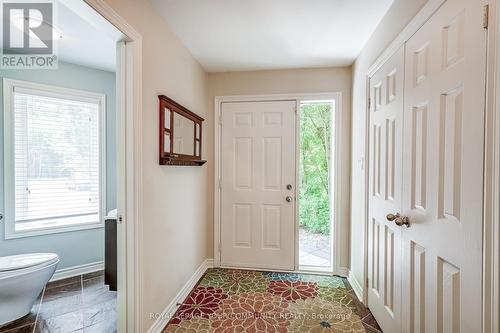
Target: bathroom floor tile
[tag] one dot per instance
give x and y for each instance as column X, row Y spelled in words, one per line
column 99, row 312
column 94, row 284
column 60, row 306
column 66, row 290
column 63, row 282
column 96, row 292
column 74, row 305
column 66, row 323
column 27, row 320
column 107, row 326
column 92, row 275
column 20, row 329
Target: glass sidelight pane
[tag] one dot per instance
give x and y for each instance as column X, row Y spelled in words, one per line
column 315, row 192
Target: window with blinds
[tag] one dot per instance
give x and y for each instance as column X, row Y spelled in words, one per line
column 57, row 158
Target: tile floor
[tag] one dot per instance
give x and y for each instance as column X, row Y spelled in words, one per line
column 314, row 249
column 80, row 304
column 229, row 300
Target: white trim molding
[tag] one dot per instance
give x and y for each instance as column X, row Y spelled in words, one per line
column 338, row 221
column 356, row 286
column 491, row 227
column 68, row 272
column 130, row 187
column 162, row 319
column 418, row 21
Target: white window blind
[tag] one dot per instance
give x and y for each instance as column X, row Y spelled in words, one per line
column 56, row 159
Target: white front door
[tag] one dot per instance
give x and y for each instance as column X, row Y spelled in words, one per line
column 258, row 185
column 443, row 171
column 384, row 237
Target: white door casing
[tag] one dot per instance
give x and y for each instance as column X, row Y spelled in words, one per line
column 443, row 171
column 385, row 170
column 257, row 227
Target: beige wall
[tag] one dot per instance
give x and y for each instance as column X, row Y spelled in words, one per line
column 172, row 227
column 398, row 16
column 284, row 82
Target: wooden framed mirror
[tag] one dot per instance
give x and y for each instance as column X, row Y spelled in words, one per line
column 180, row 134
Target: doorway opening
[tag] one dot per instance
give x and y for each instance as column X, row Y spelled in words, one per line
column 316, row 164
column 89, row 163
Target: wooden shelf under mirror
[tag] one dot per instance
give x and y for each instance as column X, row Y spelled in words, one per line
column 180, row 134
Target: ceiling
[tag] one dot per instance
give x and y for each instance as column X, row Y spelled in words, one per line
column 82, row 36
column 239, row 35
column 88, row 38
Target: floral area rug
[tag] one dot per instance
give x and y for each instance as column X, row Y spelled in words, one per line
column 227, row 301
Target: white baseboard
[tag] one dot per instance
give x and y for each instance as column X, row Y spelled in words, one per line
column 343, row 271
column 358, row 290
column 68, row 272
column 163, row 318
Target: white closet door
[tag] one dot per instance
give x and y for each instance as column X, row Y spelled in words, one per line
column 443, row 171
column 258, row 162
column 384, row 237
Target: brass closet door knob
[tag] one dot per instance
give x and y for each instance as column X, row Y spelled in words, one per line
column 398, row 219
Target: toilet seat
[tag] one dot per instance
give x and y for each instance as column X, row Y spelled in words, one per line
column 22, row 263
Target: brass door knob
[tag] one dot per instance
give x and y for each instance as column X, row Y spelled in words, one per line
column 398, row 219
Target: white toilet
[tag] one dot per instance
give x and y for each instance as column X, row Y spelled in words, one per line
column 22, row 279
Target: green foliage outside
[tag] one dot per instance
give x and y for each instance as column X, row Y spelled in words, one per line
column 315, row 134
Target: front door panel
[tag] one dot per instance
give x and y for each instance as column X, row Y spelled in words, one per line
column 258, row 162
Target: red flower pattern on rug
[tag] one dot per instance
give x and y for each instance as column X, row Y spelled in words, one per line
column 293, row 290
column 201, row 303
column 252, row 312
column 231, row 301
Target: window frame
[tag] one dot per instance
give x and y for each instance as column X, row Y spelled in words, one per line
column 9, row 154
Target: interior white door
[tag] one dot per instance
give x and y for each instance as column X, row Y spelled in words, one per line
column 443, row 171
column 258, row 162
column 384, row 237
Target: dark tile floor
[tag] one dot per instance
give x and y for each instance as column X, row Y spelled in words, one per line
column 369, row 322
column 80, row 304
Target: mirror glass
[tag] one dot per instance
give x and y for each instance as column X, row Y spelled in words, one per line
column 183, row 135
column 166, row 145
column 167, row 118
